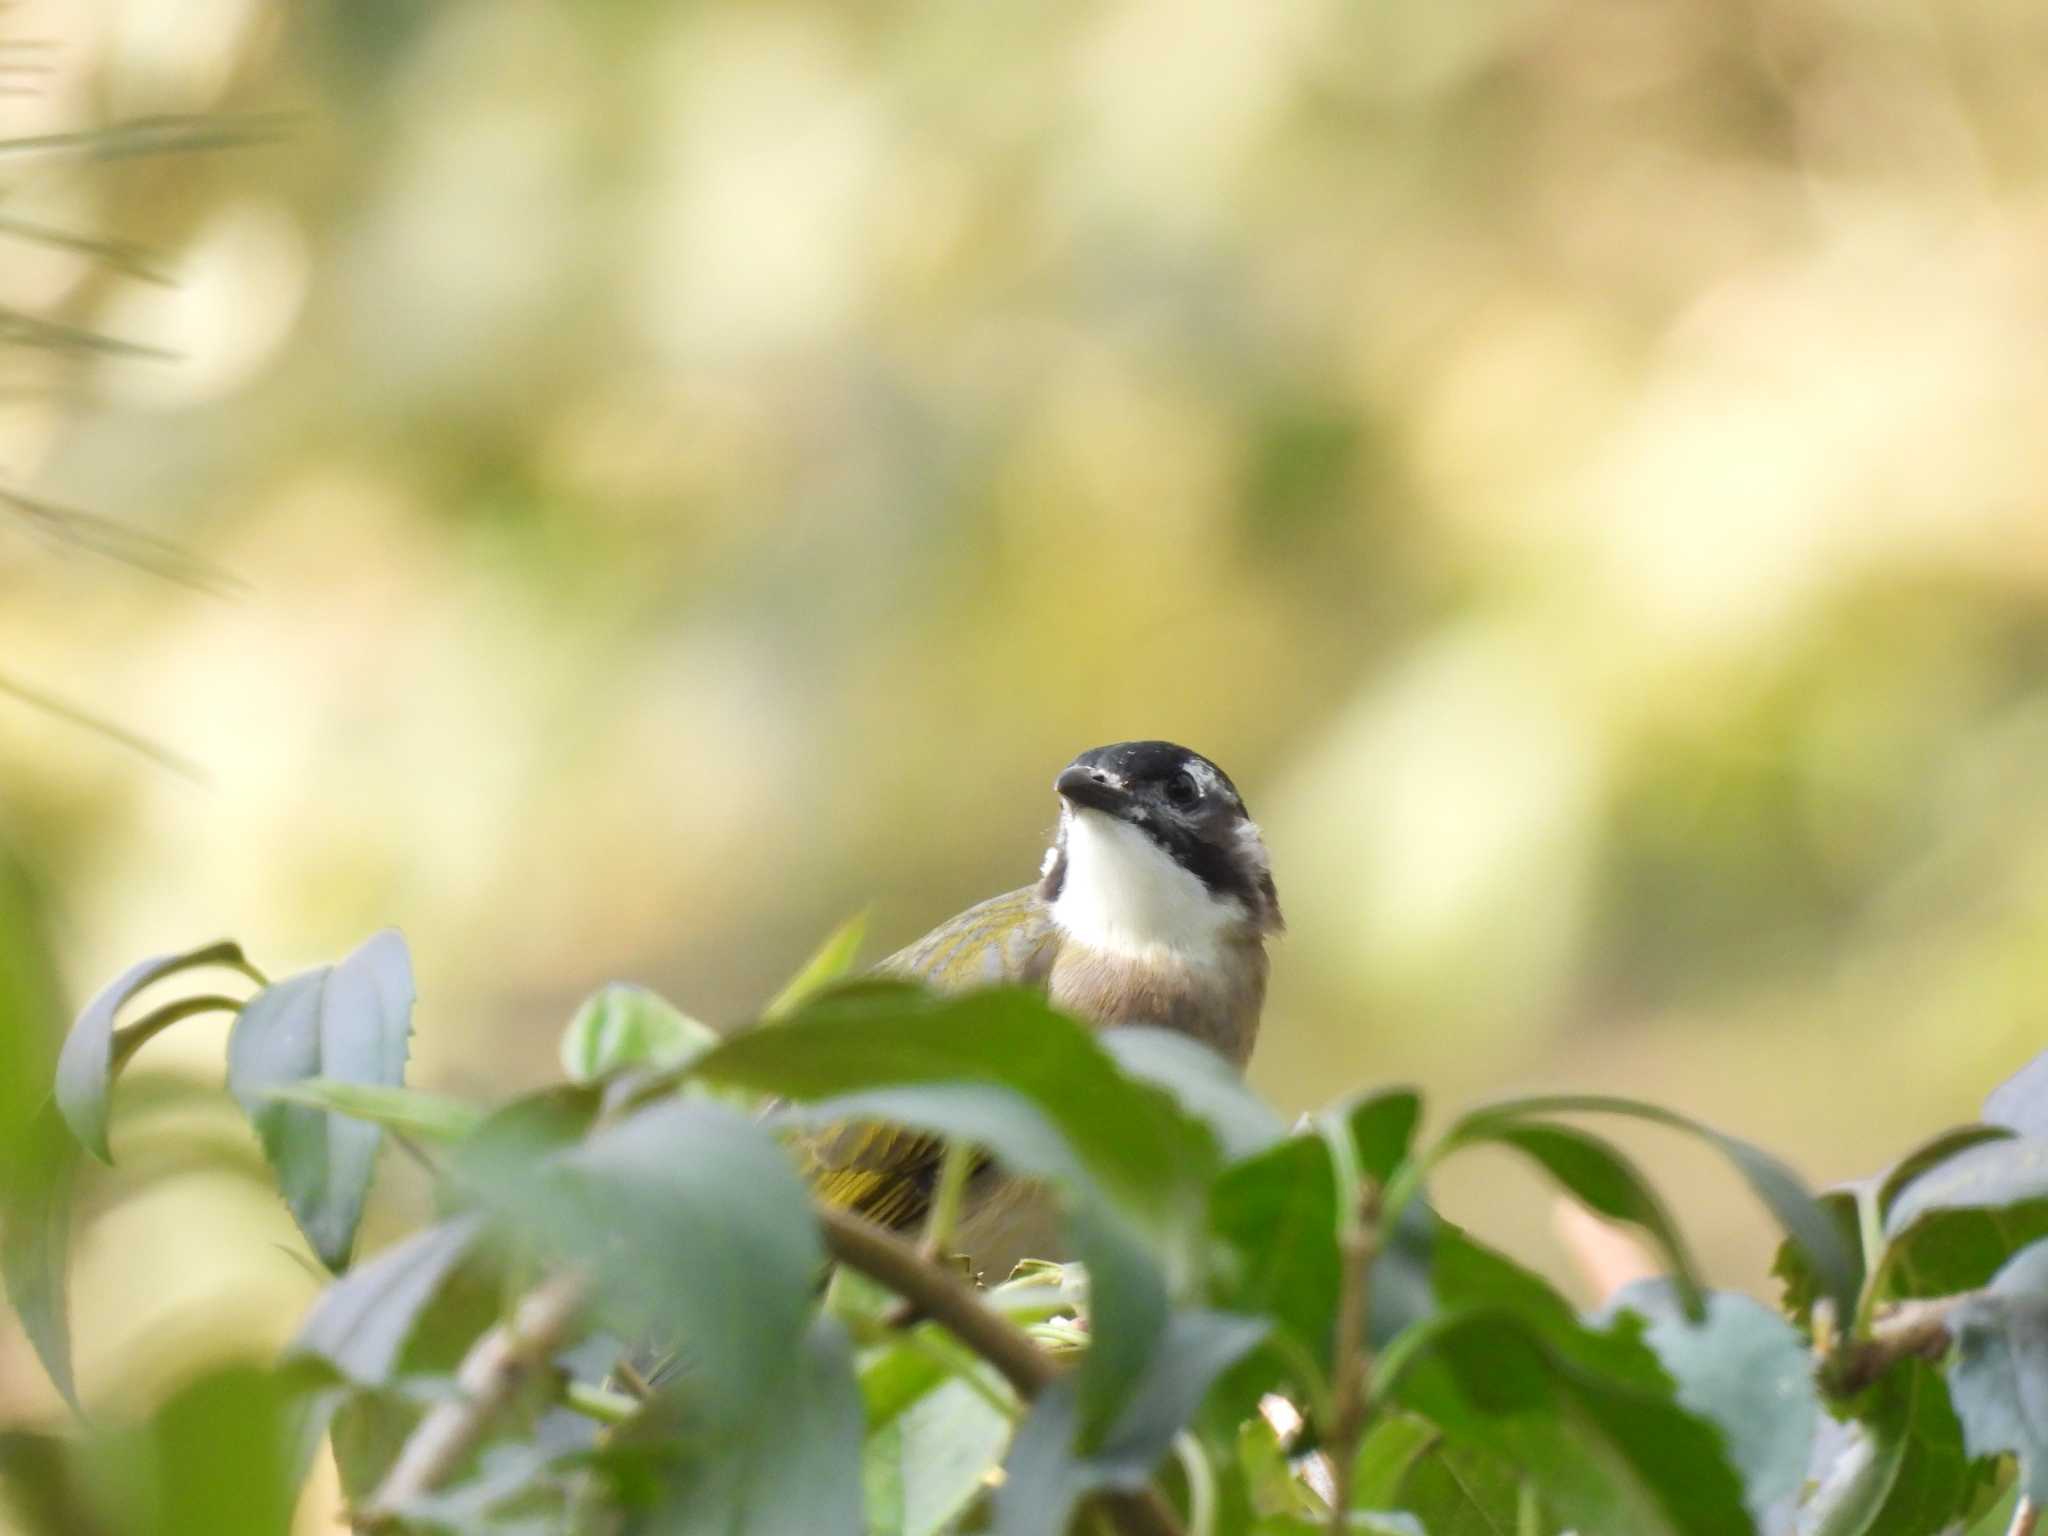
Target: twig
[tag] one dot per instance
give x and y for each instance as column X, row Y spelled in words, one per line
column 938, row 1296
column 2025, row 1516
column 485, row 1382
column 935, row 1294
column 1916, row 1330
column 1358, row 1246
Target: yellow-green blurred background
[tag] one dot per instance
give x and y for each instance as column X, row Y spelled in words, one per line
column 690, row 471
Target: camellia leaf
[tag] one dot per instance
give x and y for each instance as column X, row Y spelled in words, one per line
column 347, row 1022
column 1202, row 1082
column 360, row 1323
column 831, row 963
column 87, row 1066
column 1743, row 1368
column 1604, row 1180
column 1950, row 1229
column 1405, row 1463
column 1905, row 1472
column 2020, row 1103
column 1931, row 1154
column 409, row 1111
column 620, row 1027
column 1998, row 1377
column 35, row 1241
column 699, row 1232
column 1833, row 1263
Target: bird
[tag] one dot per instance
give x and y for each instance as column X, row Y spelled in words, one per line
column 1153, row 905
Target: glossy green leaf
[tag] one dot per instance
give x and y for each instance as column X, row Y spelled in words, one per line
column 1744, row 1369
column 1383, row 1129
column 1000, row 1067
column 2020, row 1103
column 87, row 1066
column 1052, row 1467
column 348, row 1022
column 1834, row 1265
column 362, row 1321
column 1998, row 1375
column 621, row 1027
column 1603, row 1178
column 699, row 1231
column 831, row 963
column 408, row 1111
column 35, row 1240
column 1201, row 1082
column 1906, row 1472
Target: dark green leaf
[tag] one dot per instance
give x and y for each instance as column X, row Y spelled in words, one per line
column 1744, row 1369
column 408, row 1111
column 831, row 963
column 361, row 1323
column 2020, row 1103
column 85, row 1070
column 716, row 1478
column 1050, row 1469
column 1603, row 1179
column 1801, row 1287
column 698, row 1228
column 621, row 1027
column 1609, row 1450
column 40, row 1488
column 35, row 1240
column 1201, row 1082
column 1383, row 1129
column 999, row 1067
column 1952, row 1227
column 1811, row 1229
column 1998, row 1376
column 347, row 1022
column 1906, row 1472
column 1931, row 1154
column 1455, row 1490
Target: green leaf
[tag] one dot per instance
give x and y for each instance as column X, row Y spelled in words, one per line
column 699, row 1231
column 999, row 1067
column 360, row 1323
column 408, row 1111
column 1805, row 1222
column 831, row 963
column 1383, row 1129
column 1744, row 1369
column 40, row 1488
column 1603, row 1179
column 948, row 1442
column 718, row 1478
column 1800, row 1286
column 2020, row 1103
column 1906, row 1472
column 1950, row 1228
column 1406, row 1463
column 1609, row 1450
column 218, row 1456
column 1049, row 1470
column 621, row 1026
column 1201, row 1082
column 88, row 1064
column 1998, row 1375
column 347, row 1022
column 35, row 1241
column 1931, row 1154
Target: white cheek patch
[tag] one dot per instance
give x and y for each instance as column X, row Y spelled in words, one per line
column 1123, row 894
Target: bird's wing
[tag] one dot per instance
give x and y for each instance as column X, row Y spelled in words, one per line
column 883, row 1172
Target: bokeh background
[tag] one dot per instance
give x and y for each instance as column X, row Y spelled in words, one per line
column 637, row 483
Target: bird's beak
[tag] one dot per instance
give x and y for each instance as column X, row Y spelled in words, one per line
column 1091, row 789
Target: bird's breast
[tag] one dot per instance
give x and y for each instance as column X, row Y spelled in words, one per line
column 1216, row 1001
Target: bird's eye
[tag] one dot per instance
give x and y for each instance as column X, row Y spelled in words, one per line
column 1181, row 790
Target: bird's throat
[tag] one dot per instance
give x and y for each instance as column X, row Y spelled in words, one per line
column 1121, row 894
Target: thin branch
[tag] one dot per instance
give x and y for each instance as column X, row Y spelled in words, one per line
column 942, row 1297
column 1359, row 1245
column 486, row 1381
column 1912, row 1330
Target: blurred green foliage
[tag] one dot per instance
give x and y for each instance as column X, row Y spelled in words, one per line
column 694, row 471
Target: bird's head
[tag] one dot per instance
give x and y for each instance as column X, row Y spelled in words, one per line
column 1156, row 854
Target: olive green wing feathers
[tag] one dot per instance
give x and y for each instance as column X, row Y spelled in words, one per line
column 883, row 1172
